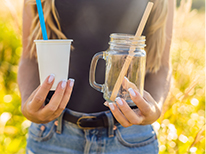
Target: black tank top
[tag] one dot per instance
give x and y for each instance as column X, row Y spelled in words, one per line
column 89, row 23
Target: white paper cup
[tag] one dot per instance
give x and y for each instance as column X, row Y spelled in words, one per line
column 53, row 58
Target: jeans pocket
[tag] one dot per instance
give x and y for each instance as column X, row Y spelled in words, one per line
column 41, row 132
column 136, row 136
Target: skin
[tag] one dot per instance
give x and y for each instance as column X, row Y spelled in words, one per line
column 157, row 86
column 33, row 96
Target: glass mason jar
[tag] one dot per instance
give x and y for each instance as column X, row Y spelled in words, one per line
column 115, row 57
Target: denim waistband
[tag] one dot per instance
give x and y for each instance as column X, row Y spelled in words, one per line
column 108, row 114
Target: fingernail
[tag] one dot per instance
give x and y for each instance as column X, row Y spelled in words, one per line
column 106, row 104
column 111, row 106
column 131, row 91
column 71, row 82
column 51, row 78
column 64, row 83
column 126, row 78
column 119, row 101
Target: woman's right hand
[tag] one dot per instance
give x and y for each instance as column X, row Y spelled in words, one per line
column 35, row 110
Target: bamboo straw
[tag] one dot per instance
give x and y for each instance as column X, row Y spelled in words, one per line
column 131, row 51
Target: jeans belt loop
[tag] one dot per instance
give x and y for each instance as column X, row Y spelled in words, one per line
column 59, row 126
column 110, row 123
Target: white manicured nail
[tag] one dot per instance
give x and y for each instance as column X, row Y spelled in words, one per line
column 131, row 91
column 111, row 106
column 51, row 78
column 119, row 101
column 64, row 83
column 126, row 78
column 71, row 82
column 106, row 104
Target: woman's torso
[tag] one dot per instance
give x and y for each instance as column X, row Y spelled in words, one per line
column 89, row 23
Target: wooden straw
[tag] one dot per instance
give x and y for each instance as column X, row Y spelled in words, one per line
column 131, row 51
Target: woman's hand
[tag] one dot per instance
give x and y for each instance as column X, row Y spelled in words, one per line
column 147, row 112
column 35, row 110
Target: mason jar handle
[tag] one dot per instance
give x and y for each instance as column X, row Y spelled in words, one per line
column 92, row 71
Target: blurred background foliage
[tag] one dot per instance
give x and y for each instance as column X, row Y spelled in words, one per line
column 180, row 129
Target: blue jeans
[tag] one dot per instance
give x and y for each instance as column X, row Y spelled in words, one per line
column 68, row 138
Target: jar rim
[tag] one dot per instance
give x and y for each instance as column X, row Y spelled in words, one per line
column 126, row 40
column 126, row 36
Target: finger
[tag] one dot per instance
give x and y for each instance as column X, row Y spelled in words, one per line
column 28, row 105
column 65, row 98
column 148, row 97
column 67, row 93
column 41, row 94
column 143, row 106
column 33, row 93
column 106, row 104
column 118, row 115
column 126, row 84
column 54, row 102
column 130, row 115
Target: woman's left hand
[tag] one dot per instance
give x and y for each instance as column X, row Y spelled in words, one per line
column 147, row 112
